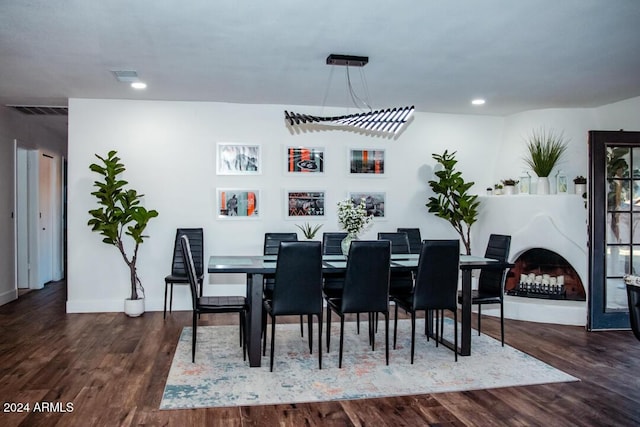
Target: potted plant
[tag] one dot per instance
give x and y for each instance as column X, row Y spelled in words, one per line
column 580, row 184
column 545, row 148
column 497, row 189
column 509, row 185
column 119, row 215
column 452, row 201
column 309, row 231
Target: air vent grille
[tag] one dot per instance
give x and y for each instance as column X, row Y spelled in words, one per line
column 125, row 76
column 41, row 110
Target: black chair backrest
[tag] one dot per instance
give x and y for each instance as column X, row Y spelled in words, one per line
column 437, row 277
column 190, row 269
column 272, row 241
column 415, row 240
column 366, row 283
column 332, row 243
column 633, row 294
column 196, row 242
column 298, row 282
column 399, row 241
column 492, row 281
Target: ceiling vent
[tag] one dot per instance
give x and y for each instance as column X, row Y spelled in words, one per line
column 41, row 110
column 126, row 76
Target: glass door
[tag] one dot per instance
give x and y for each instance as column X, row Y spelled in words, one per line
column 614, row 219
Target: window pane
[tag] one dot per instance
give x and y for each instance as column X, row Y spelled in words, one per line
column 635, row 261
column 618, row 230
column 618, row 195
column 615, row 296
column 618, row 259
column 618, row 162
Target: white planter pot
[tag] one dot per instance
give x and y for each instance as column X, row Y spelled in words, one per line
column 508, row 190
column 134, row 307
column 543, row 185
column 581, row 189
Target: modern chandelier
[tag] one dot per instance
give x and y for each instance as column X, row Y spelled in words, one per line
column 386, row 121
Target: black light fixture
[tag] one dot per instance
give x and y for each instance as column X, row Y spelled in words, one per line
column 386, row 121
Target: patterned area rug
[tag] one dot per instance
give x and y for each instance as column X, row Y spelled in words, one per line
column 221, row 378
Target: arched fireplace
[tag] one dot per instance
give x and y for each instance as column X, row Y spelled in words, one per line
column 541, row 273
column 552, row 228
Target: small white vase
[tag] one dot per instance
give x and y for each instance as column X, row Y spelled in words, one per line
column 543, row 185
column 581, row 189
column 134, row 307
column 508, row 190
column 346, row 243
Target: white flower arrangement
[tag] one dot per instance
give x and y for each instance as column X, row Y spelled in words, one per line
column 353, row 217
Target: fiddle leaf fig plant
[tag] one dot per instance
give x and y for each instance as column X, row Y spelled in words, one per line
column 452, row 200
column 119, row 214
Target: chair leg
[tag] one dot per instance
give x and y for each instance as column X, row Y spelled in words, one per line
column 243, row 329
column 310, row 326
column 302, row 325
column 502, row 323
column 320, row 340
column 273, row 340
column 264, row 331
column 437, row 328
column 395, row 326
column 386, row 335
column 341, row 340
column 164, row 312
column 455, row 334
column 328, row 327
column 358, row 323
column 441, row 323
column 479, row 318
column 413, row 334
column 194, row 337
column 372, row 334
column 171, row 298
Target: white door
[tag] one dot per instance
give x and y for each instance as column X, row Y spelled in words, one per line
column 21, row 219
column 45, row 220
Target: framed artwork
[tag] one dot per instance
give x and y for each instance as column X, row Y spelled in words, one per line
column 562, row 183
column 238, row 203
column 524, row 184
column 305, row 160
column 238, row 159
column 304, row 203
column 366, row 162
column 374, row 202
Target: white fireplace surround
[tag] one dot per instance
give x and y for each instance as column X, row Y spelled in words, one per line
column 554, row 222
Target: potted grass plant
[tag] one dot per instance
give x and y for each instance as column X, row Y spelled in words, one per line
column 545, row 148
column 118, row 215
column 309, row 231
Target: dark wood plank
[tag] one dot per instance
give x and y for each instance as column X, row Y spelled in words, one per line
column 113, row 369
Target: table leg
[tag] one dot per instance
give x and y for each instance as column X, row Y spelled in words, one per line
column 465, row 338
column 254, row 296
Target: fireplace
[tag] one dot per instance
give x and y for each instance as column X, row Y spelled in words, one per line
column 549, row 239
column 541, row 273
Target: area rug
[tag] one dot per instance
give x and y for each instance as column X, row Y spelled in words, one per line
column 220, row 377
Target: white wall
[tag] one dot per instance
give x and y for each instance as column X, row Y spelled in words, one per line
column 169, row 150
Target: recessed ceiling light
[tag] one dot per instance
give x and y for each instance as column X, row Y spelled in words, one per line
column 139, row 85
column 478, row 101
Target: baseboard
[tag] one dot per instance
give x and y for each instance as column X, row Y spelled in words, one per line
column 8, row 296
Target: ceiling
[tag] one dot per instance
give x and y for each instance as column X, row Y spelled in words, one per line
column 434, row 54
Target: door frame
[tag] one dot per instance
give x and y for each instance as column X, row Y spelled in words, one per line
column 597, row 318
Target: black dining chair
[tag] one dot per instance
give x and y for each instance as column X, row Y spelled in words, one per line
column 415, row 240
column 271, row 246
column 633, row 297
column 436, row 288
column 331, row 245
column 366, row 289
column 297, row 289
column 401, row 281
column 491, row 281
column 178, row 269
column 219, row 304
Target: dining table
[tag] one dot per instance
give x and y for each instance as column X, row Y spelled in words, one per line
column 257, row 266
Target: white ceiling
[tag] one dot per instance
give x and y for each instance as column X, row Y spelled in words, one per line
column 434, row 54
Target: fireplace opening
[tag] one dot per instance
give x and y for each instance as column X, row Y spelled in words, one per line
column 541, row 273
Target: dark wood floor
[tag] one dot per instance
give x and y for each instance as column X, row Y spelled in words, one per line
column 112, row 370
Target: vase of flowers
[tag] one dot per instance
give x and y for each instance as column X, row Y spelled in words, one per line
column 353, row 218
